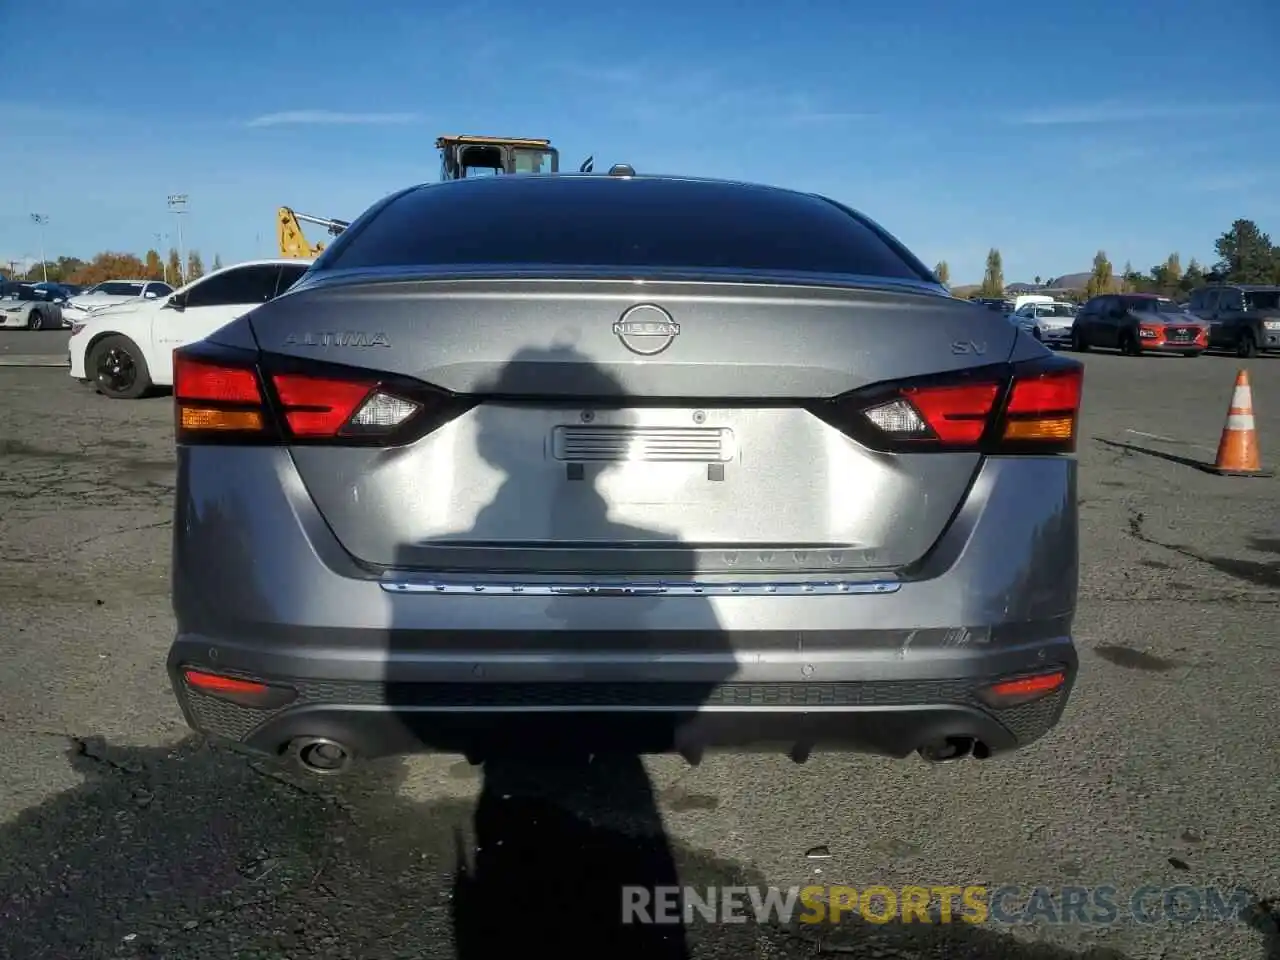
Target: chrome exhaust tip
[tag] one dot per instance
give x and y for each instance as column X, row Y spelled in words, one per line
column 321, row 756
column 953, row 748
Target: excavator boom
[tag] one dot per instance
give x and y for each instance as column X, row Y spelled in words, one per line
column 293, row 242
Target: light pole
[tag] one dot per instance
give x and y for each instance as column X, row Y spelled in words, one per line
column 162, row 240
column 178, row 204
column 41, row 220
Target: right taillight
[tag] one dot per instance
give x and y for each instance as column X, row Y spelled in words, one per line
column 1044, row 406
column 225, row 395
column 1030, row 407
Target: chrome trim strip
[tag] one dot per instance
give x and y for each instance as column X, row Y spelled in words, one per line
column 789, row 588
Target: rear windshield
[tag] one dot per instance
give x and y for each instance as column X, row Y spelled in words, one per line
column 606, row 222
column 119, row 288
column 1153, row 305
column 1055, row 310
column 1262, row 300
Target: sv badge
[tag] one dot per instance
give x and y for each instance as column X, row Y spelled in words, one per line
column 968, row 348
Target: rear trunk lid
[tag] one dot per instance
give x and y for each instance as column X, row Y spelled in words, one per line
column 634, row 428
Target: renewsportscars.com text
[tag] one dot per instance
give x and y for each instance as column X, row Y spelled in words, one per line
column 973, row 904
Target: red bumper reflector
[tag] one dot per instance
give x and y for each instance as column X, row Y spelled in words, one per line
column 1009, row 693
column 246, row 693
column 213, row 683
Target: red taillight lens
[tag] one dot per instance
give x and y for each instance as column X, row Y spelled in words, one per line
column 955, row 414
column 197, row 380
column 318, row 406
column 1029, row 407
column 1044, row 406
column 215, row 398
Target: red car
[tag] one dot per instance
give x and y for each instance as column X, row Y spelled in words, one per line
column 1136, row 323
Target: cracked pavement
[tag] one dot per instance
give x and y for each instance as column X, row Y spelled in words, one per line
column 123, row 836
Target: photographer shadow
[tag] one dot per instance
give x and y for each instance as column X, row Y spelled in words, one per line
column 566, row 817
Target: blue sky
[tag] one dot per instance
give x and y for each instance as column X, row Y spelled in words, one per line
column 1049, row 131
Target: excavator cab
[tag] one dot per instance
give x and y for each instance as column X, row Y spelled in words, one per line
column 468, row 156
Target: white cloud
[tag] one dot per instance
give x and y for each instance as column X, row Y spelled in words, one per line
column 331, row 118
column 1128, row 112
column 1228, row 182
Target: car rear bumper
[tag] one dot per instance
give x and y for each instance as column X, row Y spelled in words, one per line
column 393, row 662
column 414, row 710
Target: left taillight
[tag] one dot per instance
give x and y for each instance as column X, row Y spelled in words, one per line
column 225, row 395
column 218, row 397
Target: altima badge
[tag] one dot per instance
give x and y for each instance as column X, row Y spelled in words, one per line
column 337, row 338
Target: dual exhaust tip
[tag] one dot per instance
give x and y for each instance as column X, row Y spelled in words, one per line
column 954, row 748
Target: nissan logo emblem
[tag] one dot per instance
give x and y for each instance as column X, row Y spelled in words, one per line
column 646, row 329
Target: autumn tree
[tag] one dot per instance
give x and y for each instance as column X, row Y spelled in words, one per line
column 60, row 270
column 217, row 262
column 993, row 279
column 1166, row 277
column 1129, row 280
column 195, row 266
column 1102, row 278
column 153, row 265
column 109, row 266
column 942, row 272
column 175, row 267
column 1193, row 277
column 1245, row 254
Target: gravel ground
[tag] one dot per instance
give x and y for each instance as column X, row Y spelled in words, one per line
column 122, row 836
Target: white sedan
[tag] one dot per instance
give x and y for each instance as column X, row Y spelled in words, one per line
column 1048, row 322
column 126, row 350
column 113, row 293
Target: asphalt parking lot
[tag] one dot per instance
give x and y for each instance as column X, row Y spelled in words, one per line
column 121, row 836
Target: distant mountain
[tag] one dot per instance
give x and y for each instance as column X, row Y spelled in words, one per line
column 1071, row 281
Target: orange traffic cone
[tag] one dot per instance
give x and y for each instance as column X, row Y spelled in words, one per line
column 1238, row 454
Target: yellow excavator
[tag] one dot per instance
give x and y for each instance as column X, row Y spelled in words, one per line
column 465, row 155
column 461, row 156
column 293, row 242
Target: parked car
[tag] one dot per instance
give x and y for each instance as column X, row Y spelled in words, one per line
column 111, row 293
column 1049, row 322
column 997, row 304
column 1241, row 317
column 29, row 306
column 126, row 350
column 1136, row 323
column 622, row 463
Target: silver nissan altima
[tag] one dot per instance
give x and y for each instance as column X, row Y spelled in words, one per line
column 620, row 462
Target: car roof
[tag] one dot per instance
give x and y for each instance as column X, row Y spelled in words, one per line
column 267, row 262
column 539, row 181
